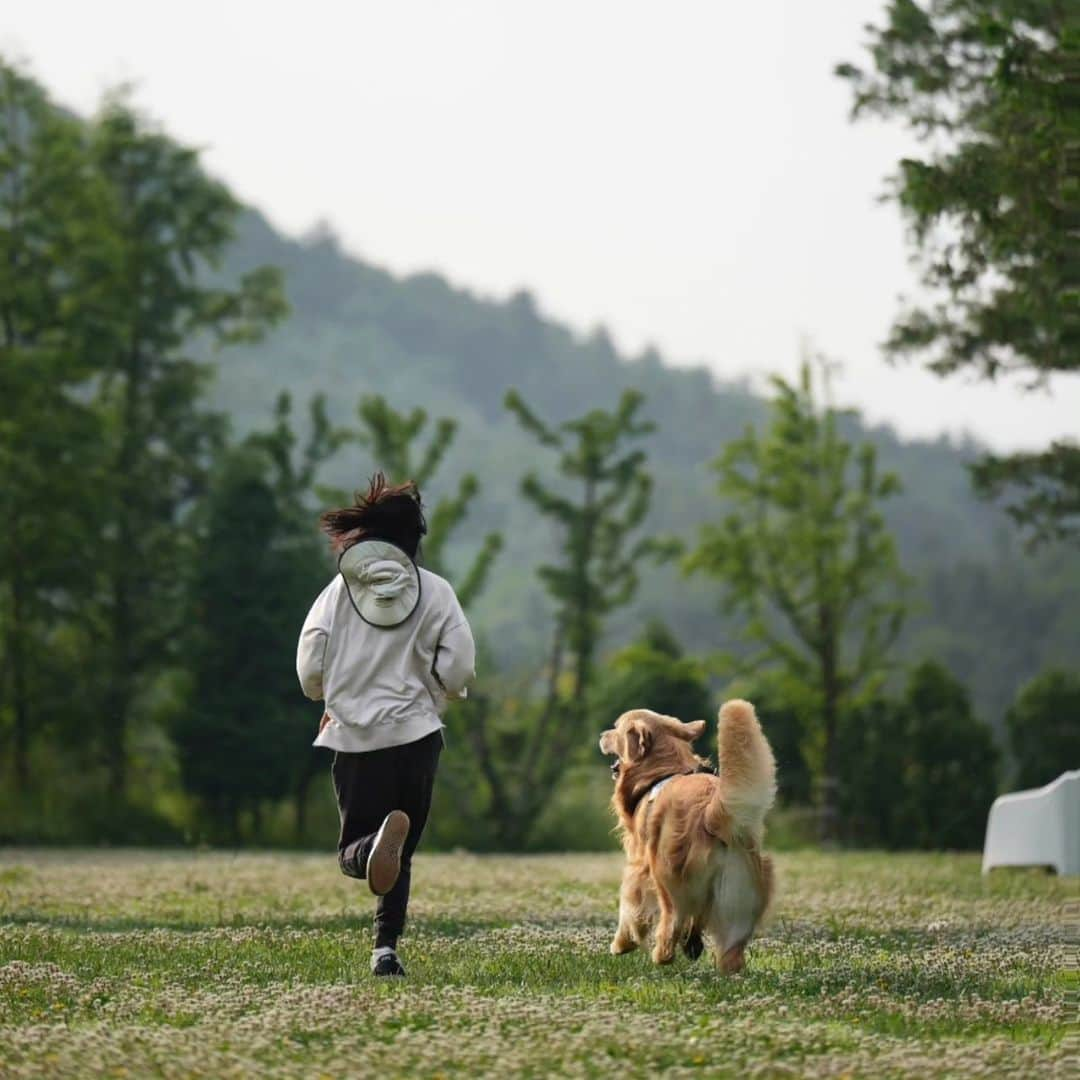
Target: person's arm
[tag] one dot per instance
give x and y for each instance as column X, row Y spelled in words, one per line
column 311, row 649
column 455, row 659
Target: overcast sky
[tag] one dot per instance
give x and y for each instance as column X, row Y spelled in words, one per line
column 683, row 172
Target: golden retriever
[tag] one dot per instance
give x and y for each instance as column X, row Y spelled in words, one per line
column 694, row 865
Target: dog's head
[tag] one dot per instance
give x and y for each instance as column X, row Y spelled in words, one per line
column 643, row 736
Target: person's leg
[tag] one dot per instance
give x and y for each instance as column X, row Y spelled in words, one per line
column 366, row 791
column 414, row 768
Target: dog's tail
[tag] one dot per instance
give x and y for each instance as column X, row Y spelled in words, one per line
column 747, row 785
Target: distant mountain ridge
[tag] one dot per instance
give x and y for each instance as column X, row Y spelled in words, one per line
column 418, row 341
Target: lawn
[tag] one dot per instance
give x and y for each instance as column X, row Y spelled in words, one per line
column 180, row 964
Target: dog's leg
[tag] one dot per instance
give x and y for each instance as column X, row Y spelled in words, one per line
column 693, row 944
column 632, row 926
column 623, row 942
column 737, row 904
column 664, row 948
column 734, row 959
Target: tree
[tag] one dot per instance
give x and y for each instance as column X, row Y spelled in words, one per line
column 1044, row 488
column 991, row 90
column 949, row 764
column 1044, row 728
column 296, row 471
column 873, row 748
column 391, row 436
column 919, row 771
column 521, row 754
column 243, row 736
column 232, row 735
column 788, row 716
column 169, row 224
column 653, row 673
column 51, row 240
column 805, row 557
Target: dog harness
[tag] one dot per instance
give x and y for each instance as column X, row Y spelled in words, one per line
column 657, row 787
column 650, row 796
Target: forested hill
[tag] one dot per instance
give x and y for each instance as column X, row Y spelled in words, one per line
column 992, row 613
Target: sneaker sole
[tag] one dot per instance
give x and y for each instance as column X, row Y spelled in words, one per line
column 384, row 863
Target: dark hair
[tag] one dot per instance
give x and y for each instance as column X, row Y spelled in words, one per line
column 392, row 512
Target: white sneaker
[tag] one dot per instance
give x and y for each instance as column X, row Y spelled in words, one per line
column 385, row 962
column 384, row 860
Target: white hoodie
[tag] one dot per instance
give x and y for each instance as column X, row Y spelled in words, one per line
column 384, row 686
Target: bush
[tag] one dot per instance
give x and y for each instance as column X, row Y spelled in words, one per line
column 950, row 764
column 652, row 673
column 920, row 772
column 1044, row 728
column 872, row 748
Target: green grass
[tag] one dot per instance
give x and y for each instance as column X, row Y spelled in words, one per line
column 165, row 964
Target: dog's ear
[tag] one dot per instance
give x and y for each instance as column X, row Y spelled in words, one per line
column 691, row 731
column 638, row 740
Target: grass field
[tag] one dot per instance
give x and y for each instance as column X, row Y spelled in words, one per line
column 156, row 964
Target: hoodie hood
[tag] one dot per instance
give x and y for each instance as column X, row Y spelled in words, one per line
column 382, row 581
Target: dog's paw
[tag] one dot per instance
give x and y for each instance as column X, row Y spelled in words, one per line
column 622, row 944
column 734, row 960
column 663, row 954
column 694, row 945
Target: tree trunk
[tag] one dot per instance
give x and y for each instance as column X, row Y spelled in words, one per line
column 118, row 695
column 828, row 813
column 303, row 787
column 828, row 821
column 514, row 827
column 19, row 682
column 124, row 554
column 115, row 743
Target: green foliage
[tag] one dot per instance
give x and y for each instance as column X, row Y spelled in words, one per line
column 241, row 733
column 652, row 673
column 119, row 280
column 1044, row 489
column 788, row 717
column 50, row 236
column 920, row 771
column 424, row 342
column 1044, row 728
column 106, row 230
column 166, row 220
column 297, row 473
column 950, row 764
column 872, row 749
column 806, row 559
column 523, row 749
column 599, row 571
column 991, row 90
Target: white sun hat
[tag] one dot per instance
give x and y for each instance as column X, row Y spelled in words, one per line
column 382, row 582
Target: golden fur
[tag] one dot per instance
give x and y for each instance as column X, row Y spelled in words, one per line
column 694, row 865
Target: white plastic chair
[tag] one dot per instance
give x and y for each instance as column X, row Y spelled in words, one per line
column 1040, row 827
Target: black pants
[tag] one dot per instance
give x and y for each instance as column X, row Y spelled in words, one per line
column 368, row 786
